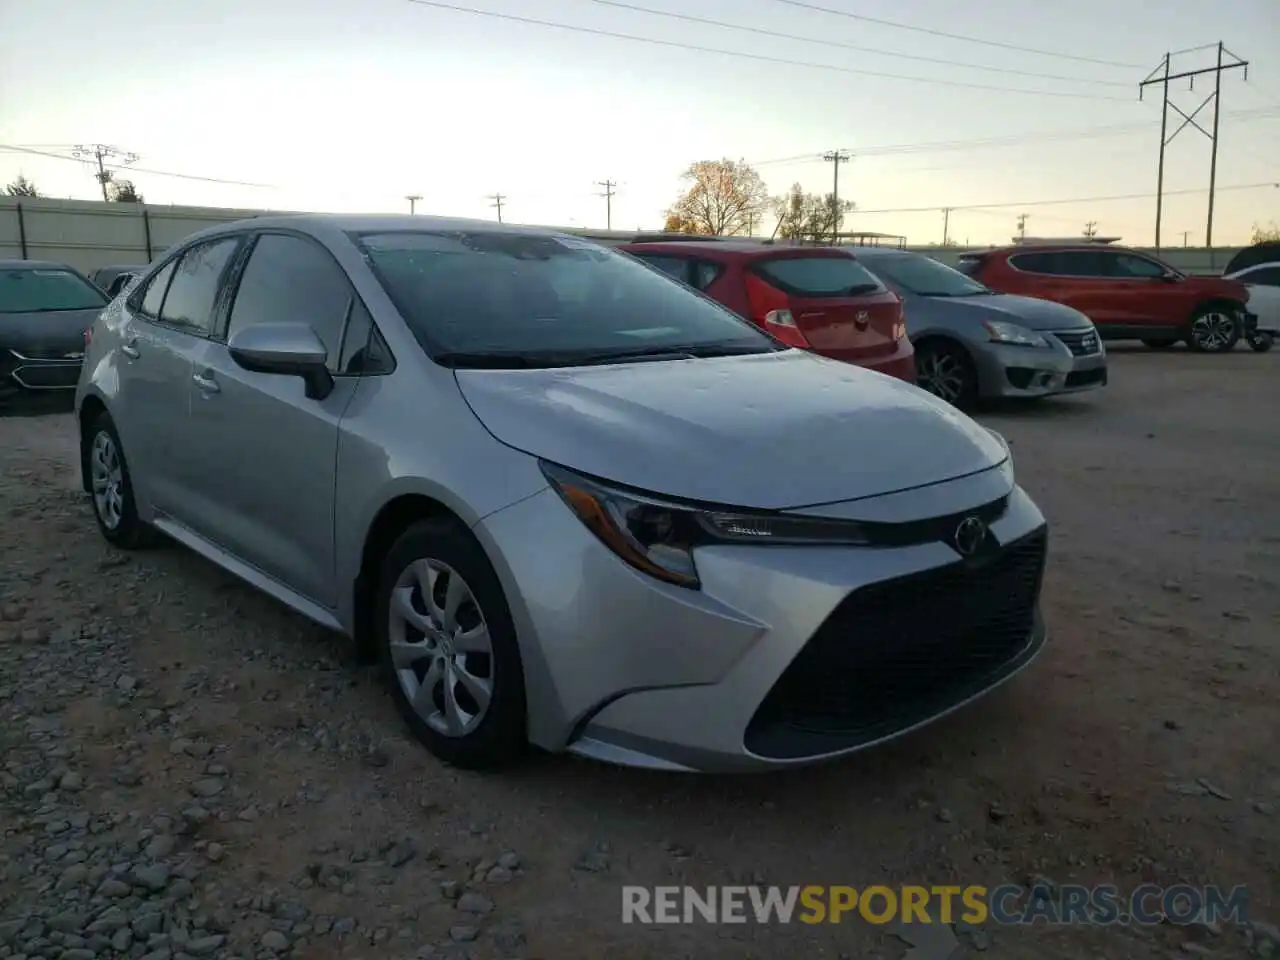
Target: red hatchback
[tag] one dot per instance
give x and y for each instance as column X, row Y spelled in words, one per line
column 816, row 298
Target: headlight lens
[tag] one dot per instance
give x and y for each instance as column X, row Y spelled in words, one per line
column 658, row 536
column 1011, row 333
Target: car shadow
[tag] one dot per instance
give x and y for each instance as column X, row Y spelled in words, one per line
column 1044, row 408
column 37, row 404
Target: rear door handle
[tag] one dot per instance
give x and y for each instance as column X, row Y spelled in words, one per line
column 130, row 349
column 206, row 382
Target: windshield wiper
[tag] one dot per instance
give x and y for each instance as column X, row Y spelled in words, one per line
column 860, row 288
column 567, row 358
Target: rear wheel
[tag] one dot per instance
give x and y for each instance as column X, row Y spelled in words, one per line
column 1214, row 329
column 946, row 371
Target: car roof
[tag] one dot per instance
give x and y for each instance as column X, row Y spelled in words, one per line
column 34, row 265
column 731, row 248
column 373, row 223
column 1049, row 248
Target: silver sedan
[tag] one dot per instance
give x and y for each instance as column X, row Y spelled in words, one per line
column 565, row 499
column 972, row 342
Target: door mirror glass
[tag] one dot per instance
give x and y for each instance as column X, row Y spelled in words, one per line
column 289, row 349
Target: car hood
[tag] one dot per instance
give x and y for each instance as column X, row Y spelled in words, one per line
column 46, row 334
column 774, row 431
column 1026, row 312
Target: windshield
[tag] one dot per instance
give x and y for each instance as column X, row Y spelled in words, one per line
column 925, row 277
column 27, row 290
column 547, row 300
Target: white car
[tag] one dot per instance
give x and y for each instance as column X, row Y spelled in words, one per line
column 1263, row 283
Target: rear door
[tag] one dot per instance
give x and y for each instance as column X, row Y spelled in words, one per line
column 842, row 309
column 1077, row 278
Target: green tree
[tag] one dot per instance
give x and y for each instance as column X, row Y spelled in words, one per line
column 22, row 187
column 123, row 191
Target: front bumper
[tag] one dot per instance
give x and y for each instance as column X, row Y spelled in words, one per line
column 785, row 655
column 1074, row 364
column 19, row 371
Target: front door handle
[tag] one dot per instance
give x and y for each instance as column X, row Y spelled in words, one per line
column 206, row 382
column 130, row 349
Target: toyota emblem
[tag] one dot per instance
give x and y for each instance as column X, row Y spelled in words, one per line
column 969, row 536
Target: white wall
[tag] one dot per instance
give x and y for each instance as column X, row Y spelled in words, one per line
column 88, row 234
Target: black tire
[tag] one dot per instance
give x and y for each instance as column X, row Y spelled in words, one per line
column 128, row 532
column 1261, row 342
column 1205, row 335
column 1159, row 344
column 500, row 736
column 933, row 357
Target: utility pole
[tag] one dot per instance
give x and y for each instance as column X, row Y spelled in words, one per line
column 1022, row 226
column 498, row 199
column 413, row 199
column 97, row 154
column 1161, row 75
column 946, row 225
column 835, row 157
column 1185, row 235
column 608, row 201
column 1091, row 229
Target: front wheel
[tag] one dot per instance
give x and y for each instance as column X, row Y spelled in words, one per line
column 448, row 647
column 1214, row 329
column 947, row 372
column 1261, row 342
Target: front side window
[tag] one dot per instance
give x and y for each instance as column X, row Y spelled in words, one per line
column 292, row 280
column 819, row 276
column 1126, row 265
column 1061, row 263
column 27, row 290
column 472, row 296
column 925, row 277
column 193, row 291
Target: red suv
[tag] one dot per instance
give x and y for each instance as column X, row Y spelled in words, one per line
column 816, row 298
column 1128, row 295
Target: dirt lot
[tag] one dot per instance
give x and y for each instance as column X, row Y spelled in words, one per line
column 190, row 770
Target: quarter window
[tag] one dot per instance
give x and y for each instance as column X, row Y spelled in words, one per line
column 153, row 296
column 291, row 280
column 677, row 267
column 193, row 291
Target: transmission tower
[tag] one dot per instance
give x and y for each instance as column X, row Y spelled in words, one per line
column 97, row 154
column 1161, row 75
column 835, row 158
column 608, row 201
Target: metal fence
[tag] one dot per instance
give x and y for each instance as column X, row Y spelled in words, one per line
column 89, row 234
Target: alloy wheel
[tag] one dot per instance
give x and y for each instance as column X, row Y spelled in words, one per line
column 440, row 648
column 1214, row 330
column 106, row 475
column 941, row 374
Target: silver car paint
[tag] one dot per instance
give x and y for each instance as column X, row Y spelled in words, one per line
column 283, row 491
column 959, row 319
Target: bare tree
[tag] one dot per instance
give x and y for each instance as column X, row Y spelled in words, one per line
column 723, row 198
column 808, row 216
column 123, row 191
column 22, row 187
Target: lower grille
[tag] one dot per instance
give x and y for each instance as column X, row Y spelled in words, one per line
column 1081, row 378
column 1082, row 343
column 896, row 653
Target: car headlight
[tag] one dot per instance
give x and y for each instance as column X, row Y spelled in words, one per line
column 658, row 536
column 1012, row 334
column 1000, row 439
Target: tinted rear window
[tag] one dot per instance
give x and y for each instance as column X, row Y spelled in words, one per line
column 819, row 276
column 41, row 291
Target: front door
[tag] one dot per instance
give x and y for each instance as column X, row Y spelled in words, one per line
column 264, row 455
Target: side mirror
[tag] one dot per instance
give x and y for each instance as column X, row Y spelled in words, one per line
column 1170, row 277
column 289, row 349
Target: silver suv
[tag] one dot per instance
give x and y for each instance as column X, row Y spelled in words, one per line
column 564, row 498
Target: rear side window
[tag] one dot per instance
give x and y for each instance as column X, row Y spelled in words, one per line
column 705, row 273
column 46, row 291
column 819, row 276
column 194, row 288
column 1063, row 263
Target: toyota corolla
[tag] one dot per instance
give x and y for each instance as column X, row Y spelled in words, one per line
column 566, row 500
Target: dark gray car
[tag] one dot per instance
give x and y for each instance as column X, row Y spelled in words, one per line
column 45, row 309
column 112, row 279
column 972, row 342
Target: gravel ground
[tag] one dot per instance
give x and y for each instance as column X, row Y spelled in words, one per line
column 190, row 770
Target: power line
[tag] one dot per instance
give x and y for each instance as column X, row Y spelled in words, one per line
column 940, row 146
column 956, row 36
column 111, row 166
column 760, row 58
column 1054, row 202
column 608, row 201
column 760, row 31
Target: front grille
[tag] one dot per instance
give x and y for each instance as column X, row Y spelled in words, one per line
column 1082, row 343
column 895, row 653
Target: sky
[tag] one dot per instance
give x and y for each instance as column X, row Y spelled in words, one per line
column 350, row 105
